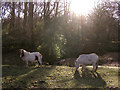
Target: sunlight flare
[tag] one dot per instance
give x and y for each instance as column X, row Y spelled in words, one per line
column 82, row 6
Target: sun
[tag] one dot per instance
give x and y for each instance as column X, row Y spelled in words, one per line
column 82, row 6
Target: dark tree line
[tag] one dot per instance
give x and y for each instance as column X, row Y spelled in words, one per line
column 50, row 28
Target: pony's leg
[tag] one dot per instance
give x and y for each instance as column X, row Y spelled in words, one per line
column 26, row 63
column 96, row 67
column 40, row 63
column 38, row 60
column 83, row 67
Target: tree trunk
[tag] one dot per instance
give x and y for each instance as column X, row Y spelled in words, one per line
column 25, row 17
column 12, row 24
column 31, row 6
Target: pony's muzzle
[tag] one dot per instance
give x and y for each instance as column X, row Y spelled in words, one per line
column 20, row 56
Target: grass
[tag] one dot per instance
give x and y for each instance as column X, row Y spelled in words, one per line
column 58, row 77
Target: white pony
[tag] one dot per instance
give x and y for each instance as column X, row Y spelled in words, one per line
column 87, row 59
column 27, row 56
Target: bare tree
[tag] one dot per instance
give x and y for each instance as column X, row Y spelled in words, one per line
column 30, row 21
column 12, row 24
column 25, row 16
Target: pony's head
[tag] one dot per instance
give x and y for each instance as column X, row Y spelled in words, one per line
column 21, row 52
column 76, row 65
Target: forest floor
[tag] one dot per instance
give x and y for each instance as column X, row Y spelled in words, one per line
column 53, row 76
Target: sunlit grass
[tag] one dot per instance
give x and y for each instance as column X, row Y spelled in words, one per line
column 58, row 77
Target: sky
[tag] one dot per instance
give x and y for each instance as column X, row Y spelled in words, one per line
column 79, row 7
column 82, row 6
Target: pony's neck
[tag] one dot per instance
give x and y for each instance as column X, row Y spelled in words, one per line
column 26, row 53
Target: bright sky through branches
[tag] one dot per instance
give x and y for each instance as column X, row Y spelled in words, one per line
column 82, row 6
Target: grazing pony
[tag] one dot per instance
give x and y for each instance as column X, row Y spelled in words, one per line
column 87, row 59
column 27, row 56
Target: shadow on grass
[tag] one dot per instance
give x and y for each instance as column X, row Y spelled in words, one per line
column 14, row 77
column 12, row 70
column 92, row 79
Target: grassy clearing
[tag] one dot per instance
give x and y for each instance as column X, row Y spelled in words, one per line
column 58, row 77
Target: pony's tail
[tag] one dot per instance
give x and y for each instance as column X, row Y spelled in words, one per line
column 41, row 58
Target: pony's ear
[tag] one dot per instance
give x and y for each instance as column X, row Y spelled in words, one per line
column 21, row 50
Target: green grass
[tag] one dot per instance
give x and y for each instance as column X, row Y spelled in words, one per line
column 58, row 77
